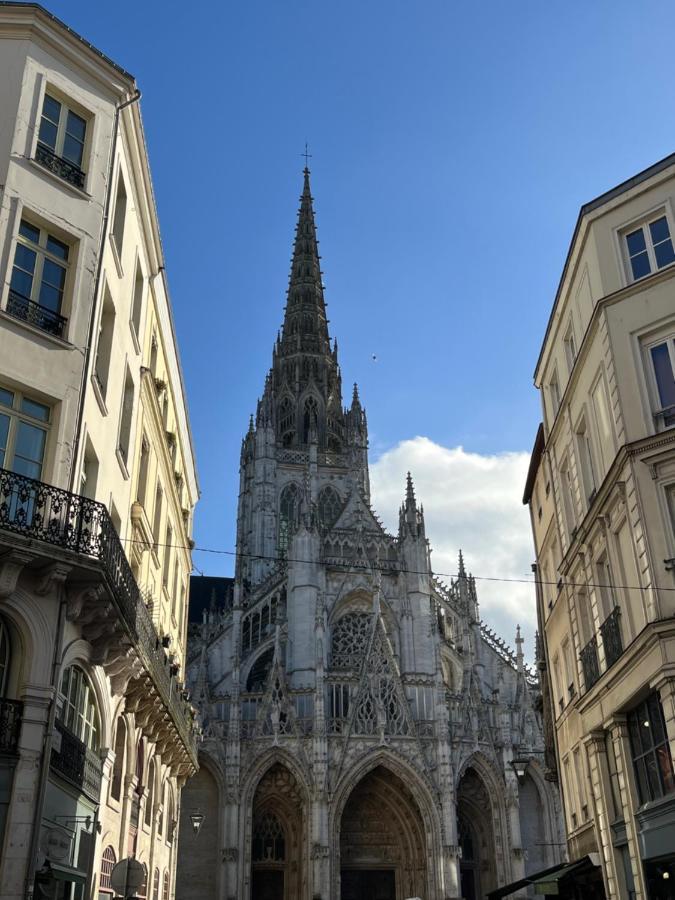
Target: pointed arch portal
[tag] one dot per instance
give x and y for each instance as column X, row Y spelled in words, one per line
column 382, row 841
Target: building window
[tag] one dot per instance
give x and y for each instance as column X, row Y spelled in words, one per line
column 106, row 333
column 567, row 492
column 38, row 279
column 670, row 503
column 329, row 506
column 168, row 541
column 649, row 247
column 157, row 517
column 151, row 793
column 155, row 885
column 5, row 657
column 165, row 888
column 61, row 138
column 661, row 365
column 118, row 766
column 108, row 861
column 137, row 305
column 570, row 348
column 289, row 508
column 554, row 394
column 23, row 433
column 78, row 711
column 125, row 417
column 142, row 486
column 120, row 215
column 585, row 451
column 650, row 750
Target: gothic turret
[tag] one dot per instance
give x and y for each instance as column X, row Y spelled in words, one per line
column 304, row 392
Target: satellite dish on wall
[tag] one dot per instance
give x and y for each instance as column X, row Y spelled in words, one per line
column 127, row 876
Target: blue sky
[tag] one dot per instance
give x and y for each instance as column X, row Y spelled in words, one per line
column 452, row 143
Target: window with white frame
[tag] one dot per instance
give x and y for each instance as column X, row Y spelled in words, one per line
column 567, row 491
column 79, row 712
column 661, row 377
column 38, row 282
column 649, row 247
column 104, row 346
column 137, row 305
column 23, row 433
column 568, row 665
column 61, row 140
column 120, row 215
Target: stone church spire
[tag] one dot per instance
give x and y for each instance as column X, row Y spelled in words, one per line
column 304, row 391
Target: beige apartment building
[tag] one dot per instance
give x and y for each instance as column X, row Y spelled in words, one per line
column 97, row 481
column 601, row 491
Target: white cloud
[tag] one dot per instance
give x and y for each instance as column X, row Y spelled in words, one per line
column 472, row 502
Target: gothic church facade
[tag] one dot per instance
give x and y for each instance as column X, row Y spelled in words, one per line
column 365, row 734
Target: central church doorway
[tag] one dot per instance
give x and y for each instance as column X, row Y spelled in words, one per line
column 382, row 841
column 368, row 884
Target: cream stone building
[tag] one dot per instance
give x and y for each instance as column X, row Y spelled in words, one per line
column 97, row 481
column 601, row 491
column 365, row 734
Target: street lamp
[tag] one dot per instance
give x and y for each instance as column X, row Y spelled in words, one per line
column 197, row 819
column 520, row 768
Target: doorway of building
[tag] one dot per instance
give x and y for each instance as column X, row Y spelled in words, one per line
column 368, row 884
column 267, row 885
column 382, row 840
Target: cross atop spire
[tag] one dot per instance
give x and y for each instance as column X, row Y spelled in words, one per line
column 307, row 156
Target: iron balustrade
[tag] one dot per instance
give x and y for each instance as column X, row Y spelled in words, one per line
column 77, row 763
column 24, row 308
column 10, row 725
column 611, row 637
column 65, row 169
column 589, row 663
column 49, row 514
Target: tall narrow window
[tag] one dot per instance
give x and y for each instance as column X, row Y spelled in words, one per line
column 554, row 394
column 570, row 348
column 118, row 766
column 662, row 363
column 157, row 516
column 78, row 707
column 61, row 138
column 137, row 305
column 120, row 214
column 168, row 541
column 142, row 486
column 604, row 424
column 38, row 279
column 567, row 497
column 288, row 515
column 89, row 476
column 126, row 416
column 585, row 453
column 106, row 334
column 150, row 800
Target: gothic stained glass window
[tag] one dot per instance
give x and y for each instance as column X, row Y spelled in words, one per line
column 329, row 507
column 286, row 421
column 350, row 640
column 310, row 418
column 289, row 504
column 257, row 678
column 269, row 844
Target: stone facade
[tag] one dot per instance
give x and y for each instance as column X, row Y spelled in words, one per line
column 97, row 481
column 601, row 491
column 361, row 723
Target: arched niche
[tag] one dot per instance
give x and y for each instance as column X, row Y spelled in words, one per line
column 199, row 853
column 476, row 832
column 277, row 845
column 383, row 840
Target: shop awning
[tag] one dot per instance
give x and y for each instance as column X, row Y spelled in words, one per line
column 548, row 880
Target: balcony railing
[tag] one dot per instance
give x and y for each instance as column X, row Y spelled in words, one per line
column 23, row 308
column 611, row 637
column 77, row 763
column 10, row 725
column 59, row 166
column 589, row 663
column 45, row 513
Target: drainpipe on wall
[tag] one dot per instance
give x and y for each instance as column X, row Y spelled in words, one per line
column 135, row 97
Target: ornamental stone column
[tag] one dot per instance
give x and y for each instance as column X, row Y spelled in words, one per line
column 596, row 750
column 629, row 799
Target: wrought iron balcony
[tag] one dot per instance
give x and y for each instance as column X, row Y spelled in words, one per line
column 10, row 725
column 42, row 512
column 23, row 308
column 59, row 166
column 589, row 663
column 611, row 637
column 77, row 763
